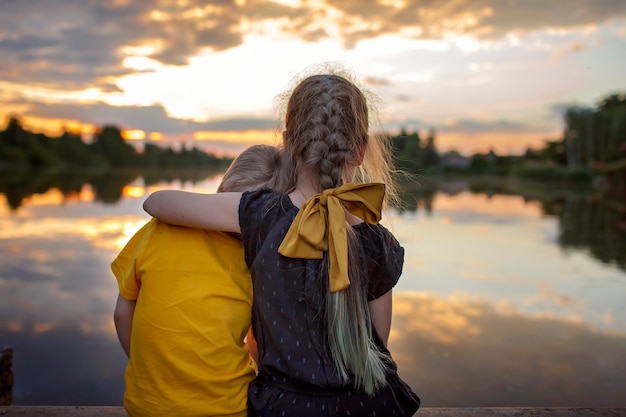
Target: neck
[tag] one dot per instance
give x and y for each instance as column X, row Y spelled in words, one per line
column 307, row 186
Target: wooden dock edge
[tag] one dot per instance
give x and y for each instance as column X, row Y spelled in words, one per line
column 76, row 411
column 6, row 376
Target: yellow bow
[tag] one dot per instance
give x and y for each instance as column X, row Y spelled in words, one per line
column 321, row 225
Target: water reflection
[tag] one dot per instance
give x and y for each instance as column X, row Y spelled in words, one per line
column 107, row 186
column 470, row 353
column 587, row 220
column 56, row 300
column 593, row 223
column 511, row 295
column 66, row 366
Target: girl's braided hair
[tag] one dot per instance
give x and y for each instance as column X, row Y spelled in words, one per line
column 326, row 125
column 326, row 128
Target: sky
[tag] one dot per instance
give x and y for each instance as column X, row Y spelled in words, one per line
column 481, row 74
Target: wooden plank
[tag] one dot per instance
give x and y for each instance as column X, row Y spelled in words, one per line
column 60, row 411
column 76, row 411
column 6, row 376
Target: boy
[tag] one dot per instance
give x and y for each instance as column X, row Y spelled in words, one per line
column 184, row 309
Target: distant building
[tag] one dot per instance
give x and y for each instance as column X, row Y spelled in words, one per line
column 454, row 159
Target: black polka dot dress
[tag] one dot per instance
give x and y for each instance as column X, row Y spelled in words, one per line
column 297, row 376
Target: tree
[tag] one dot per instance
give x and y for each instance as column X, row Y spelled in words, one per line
column 594, row 135
column 109, row 143
column 429, row 154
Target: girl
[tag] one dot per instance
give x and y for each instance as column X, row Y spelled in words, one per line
column 322, row 268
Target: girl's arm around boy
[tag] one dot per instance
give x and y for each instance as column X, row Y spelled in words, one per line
column 204, row 211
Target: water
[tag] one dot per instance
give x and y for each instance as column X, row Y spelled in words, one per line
column 512, row 294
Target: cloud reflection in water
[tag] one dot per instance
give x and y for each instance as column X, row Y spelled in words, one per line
column 457, row 352
column 508, row 256
column 58, row 295
column 490, row 311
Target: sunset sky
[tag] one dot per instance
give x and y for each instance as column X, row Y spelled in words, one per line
column 482, row 73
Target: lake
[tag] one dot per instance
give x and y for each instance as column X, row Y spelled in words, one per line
column 513, row 294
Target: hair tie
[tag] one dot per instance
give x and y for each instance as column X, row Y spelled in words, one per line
column 320, row 225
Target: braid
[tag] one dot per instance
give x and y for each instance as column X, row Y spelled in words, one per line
column 327, row 130
column 326, row 126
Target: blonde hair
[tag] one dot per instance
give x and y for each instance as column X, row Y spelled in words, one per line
column 327, row 127
column 255, row 168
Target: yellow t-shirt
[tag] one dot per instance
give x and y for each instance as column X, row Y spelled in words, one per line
column 194, row 298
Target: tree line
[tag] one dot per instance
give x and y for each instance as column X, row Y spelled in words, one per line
column 108, row 149
column 594, row 138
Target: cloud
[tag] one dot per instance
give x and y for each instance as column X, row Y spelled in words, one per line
column 559, row 109
column 404, row 98
column 377, row 81
column 146, row 118
column 64, row 43
column 471, row 136
column 577, row 47
column 476, row 126
column 572, row 47
column 78, row 44
column 486, row 19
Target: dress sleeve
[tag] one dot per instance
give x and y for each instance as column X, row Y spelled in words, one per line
column 385, row 259
column 252, row 208
column 124, row 265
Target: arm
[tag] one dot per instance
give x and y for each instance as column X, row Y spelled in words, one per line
column 250, row 341
column 204, row 211
column 123, row 318
column 380, row 311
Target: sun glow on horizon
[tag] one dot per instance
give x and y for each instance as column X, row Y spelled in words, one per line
column 133, row 191
column 245, row 136
column 134, row 134
column 467, row 143
column 56, row 127
column 502, row 143
column 155, row 136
